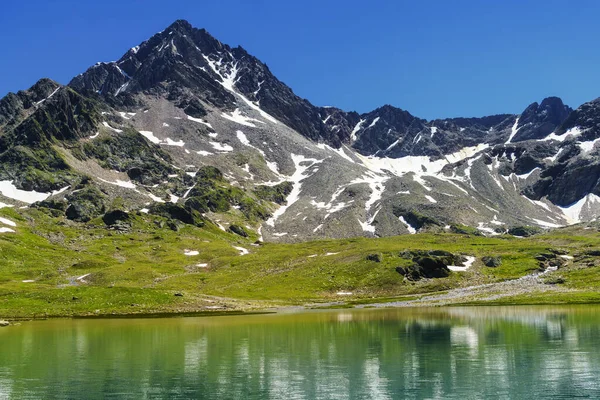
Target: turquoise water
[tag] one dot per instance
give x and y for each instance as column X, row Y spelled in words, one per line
column 450, row 353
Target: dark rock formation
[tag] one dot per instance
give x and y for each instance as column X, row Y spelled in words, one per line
column 86, row 204
column 238, row 230
column 540, row 120
column 429, row 264
column 492, row 261
column 524, row 231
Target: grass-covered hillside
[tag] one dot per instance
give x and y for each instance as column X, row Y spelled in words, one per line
column 145, row 263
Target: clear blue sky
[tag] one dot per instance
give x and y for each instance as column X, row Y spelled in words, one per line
column 433, row 58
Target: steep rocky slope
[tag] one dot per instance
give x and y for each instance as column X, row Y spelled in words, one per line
column 143, row 132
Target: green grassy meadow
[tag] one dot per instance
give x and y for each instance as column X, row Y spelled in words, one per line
column 53, row 267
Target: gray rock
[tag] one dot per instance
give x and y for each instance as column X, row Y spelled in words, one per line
column 375, row 257
column 492, row 261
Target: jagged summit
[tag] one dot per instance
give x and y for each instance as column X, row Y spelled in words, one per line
column 539, row 120
column 184, row 62
column 15, row 107
column 181, row 25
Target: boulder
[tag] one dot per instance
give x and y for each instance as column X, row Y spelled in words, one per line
column 464, row 230
column 177, row 212
column 429, row 263
column 558, row 252
column 524, row 231
column 425, row 267
column 375, row 257
column 432, row 267
column 407, row 254
column 86, row 204
column 115, row 216
column 492, row 261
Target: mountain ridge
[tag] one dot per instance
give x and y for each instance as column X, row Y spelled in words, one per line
column 182, row 101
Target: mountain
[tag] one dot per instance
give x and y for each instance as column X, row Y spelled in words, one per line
column 185, row 126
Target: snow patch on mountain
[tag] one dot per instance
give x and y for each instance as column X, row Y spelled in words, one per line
column 588, row 146
column 302, row 164
column 167, row 141
column 111, row 128
column 126, row 115
column 528, row 174
column 590, row 205
column 373, row 122
column 545, row 224
column 7, row 221
column 330, row 207
column 466, row 265
column 574, row 132
column 431, row 199
column 221, row 146
column 339, row 151
column 49, row 97
column 417, row 164
column 171, row 142
column 150, row 136
column 242, row 250
column 237, row 117
column 155, row 198
column 513, row 131
column 228, row 81
column 8, row 189
column 408, row 226
column 356, row 129
column 199, row 120
column 553, row 158
column 120, row 183
column 376, row 184
column 482, row 226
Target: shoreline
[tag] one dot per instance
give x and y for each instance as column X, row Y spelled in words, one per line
column 309, row 307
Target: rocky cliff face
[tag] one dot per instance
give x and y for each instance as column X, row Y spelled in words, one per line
column 540, row 120
column 144, row 132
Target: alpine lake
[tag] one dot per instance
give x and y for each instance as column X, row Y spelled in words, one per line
column 522, row 352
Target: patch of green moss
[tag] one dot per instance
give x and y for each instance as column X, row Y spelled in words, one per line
column 276, row 194
column 464, row 230
column 36, row 168
column 179, row 213
column 524, row 231
column 86, row 204
column 213, row 193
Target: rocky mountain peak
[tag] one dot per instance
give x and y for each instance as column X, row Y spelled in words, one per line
column 585, row 119
column 42, row 89
column 554, row 102
column 389, row 131
column 540, row 120
column 396, row 114
column 181, row 25
column 15, row 107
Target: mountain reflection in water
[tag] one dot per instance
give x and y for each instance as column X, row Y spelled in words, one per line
column 444, row 353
